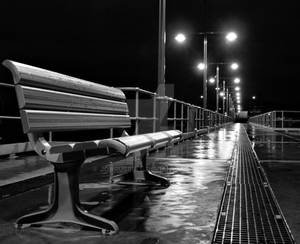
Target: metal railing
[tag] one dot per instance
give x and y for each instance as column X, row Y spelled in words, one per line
column 181, row 115
column 279, row 120
column 144, row 115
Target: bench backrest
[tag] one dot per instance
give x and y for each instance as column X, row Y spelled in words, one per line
column 49, row 101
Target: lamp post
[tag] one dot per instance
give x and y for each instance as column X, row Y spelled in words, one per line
column 224, row 97
column 233, row 66
column 227, row 98
column 161, row 48
column 231, row 36
column 217, row 88
column 162, row 108
column 205, row 71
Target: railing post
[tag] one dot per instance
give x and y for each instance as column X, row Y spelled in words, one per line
column 200, row 117
column 175, row 111
column 154, row 113
column 196, row 118
column 136, row 112
column 181, row 123
column 188, row 118
column 282, row 114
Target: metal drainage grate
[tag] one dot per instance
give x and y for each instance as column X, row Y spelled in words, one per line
column 249, row 212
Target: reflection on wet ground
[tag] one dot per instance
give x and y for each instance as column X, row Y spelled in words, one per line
column 185, row 212
column 279, row 154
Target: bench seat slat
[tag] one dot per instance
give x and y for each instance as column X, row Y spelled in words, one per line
column 124, row 145
column 136, row 142
column 73, row 146
column 36, row 98
column 42, row 78
column 159, row 137
column 39, row 120
column 173, row 133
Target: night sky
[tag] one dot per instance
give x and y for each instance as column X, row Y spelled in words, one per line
column 114, row 42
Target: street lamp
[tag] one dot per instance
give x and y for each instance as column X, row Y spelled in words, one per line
column 237, row 88
column 211, row 80
column 234, row 66
column 180, row 38
column 237, row 80
column 253, row 97
column 231, row 36
column 201, row 66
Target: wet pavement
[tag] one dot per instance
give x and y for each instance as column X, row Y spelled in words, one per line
column 279, row 154
column 185, row 212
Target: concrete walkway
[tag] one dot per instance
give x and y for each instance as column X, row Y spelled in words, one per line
column 186, row 212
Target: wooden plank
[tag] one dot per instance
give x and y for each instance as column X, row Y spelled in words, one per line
column 38, row 120
column 42, row 78
column 36, row 98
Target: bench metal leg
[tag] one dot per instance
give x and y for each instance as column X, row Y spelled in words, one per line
column 66, row 207
column 140, row 175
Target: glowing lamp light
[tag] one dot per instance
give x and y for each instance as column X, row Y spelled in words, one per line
column 201, row 66
column 253, row 97
column 237, row 88
column 212, row 80
column 180, row 38
column 234, row 66
column 222, row 94
column 231, row 36
column 237, row 80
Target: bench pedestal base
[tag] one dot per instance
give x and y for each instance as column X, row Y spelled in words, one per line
column 142, row 178
column 140, row 175
column 65, row 208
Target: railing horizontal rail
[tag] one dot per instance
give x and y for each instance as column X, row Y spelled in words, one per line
column 278, row 119
column 9, row 117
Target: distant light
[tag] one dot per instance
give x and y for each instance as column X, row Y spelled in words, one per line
column 238, row 94
column 180, row 38
column 238, row 101
column 237, row 88
column 201, row 97
column 237, row 80
column 253, row 97
column 201, row 66
column 231, row 36
column 222, row 94
column 212, row 80
column 234, row 66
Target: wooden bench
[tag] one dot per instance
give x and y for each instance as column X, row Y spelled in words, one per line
column 49, row 101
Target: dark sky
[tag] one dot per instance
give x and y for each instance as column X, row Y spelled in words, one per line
column 114, row 42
